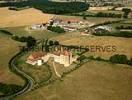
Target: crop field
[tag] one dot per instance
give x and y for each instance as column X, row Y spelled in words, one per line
column 9, row 18
column 92, row 81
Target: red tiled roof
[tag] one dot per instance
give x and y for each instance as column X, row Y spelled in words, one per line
column 36, row 55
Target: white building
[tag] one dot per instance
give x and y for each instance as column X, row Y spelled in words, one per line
column 108, row 28
column 38, row 27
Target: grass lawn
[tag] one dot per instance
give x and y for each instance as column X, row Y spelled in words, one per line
column 38, row 73
column 92, row 81
column 8, row 48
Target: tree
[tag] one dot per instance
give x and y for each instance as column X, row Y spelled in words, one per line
column 51, row 42
column 46, row 45
column 30, row 42
column 84, row 16
column 130, row 62
column 56, row 43
column 121, row 59
column 126, row 12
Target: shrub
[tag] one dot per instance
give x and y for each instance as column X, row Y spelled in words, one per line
column 29, row 40
column 126, row 12
column 130, row 62
column 56, row 43
column 121, row 59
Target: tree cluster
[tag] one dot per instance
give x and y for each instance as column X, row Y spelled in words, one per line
column 8, row 89
column 113, row 15
column 120, row 59
column 29, row 40
column 51, row 7
column 126, row 12
column 56, row 29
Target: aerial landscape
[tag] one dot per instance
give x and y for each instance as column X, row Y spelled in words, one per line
column 65, row 49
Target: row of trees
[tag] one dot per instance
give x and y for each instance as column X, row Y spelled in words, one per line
column 125, row 34
column 6, row 32
column 120, row 59
column 30, row 41
column 113, row 15
column 117, row 59
column 124, row 27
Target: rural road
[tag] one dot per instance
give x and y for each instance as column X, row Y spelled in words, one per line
column 56, row 70
column 29, row 81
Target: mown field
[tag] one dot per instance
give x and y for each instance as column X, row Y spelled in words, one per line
column 38, row 34
column 123, row 45
column 10, row 18
column 94, row 20
column 8, row 48
column 92, row 81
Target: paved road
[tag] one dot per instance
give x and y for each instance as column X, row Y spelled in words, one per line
column 29, row 81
